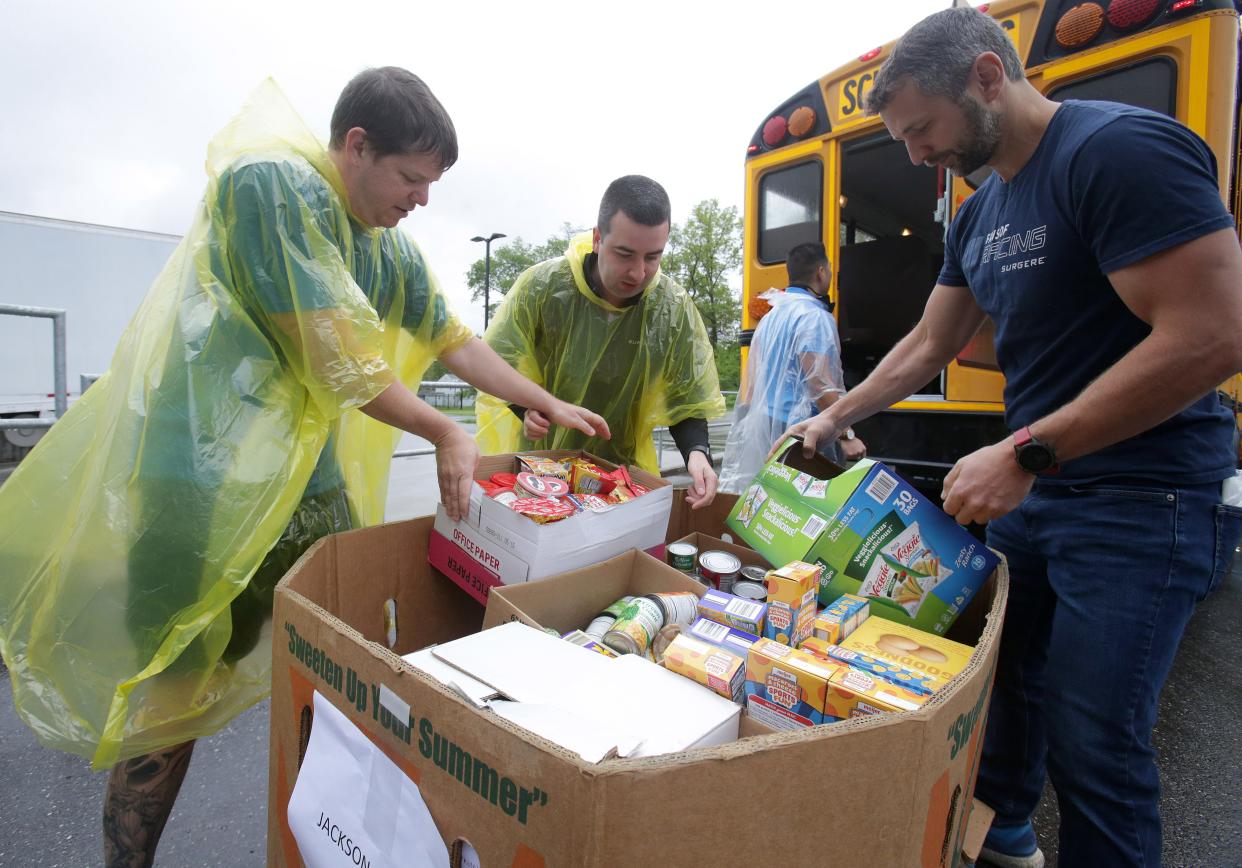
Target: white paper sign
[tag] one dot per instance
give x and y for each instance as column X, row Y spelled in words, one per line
column 352, row 805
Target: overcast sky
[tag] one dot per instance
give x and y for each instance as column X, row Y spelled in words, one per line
column 109, row 106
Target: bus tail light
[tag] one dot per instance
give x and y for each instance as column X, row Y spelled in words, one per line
column 802, row 121
column 1080, row 25
column 1184, row 6
column 870, row 55
column 1130, row 14
column 774, row 131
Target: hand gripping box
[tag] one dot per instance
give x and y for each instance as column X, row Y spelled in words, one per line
column 521, row 800
column 875, row 535
column 493, row 545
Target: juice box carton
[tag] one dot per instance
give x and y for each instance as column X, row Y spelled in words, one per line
column 743, row 614
column 792, row 592
column 787, row 688
column 841, row 618
column 854, row 693
column 936, row 657
column 578, row 637
column 729, row 638
column 893, row 673
column 716, row 668
column 874, row 534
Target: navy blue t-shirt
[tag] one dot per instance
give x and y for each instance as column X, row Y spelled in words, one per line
column 1108, row 186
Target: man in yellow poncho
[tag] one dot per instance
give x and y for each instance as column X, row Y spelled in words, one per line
column 604, row 327
column 140, row 542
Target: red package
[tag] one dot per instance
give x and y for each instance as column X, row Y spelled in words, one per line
column 543, row 509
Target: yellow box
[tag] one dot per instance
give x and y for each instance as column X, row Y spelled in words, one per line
column 841, row 618
column 792, row 591
column 787, row 688
column 716, row 668
column 881, row 667
column 854, row 693
column 923, row 652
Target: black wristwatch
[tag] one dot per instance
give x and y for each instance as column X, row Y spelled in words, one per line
column 700, row 447
column 1034, row 455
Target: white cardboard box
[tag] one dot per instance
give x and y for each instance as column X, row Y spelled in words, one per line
column 493, row 545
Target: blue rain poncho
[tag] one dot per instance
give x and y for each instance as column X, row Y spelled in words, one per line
column 794, row 362
column 134, row 610
column 640, row 367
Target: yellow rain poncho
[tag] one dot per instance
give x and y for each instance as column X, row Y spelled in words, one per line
column 132, row 617
column 640, row 367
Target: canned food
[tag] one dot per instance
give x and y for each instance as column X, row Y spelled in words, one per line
column 603, row 622
column 719, row 569
column 754, row 574
column 680, row 607
column 638, row 624
column 749, row 589
column 681, row 556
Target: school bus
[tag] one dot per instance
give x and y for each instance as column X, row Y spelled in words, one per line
column 819, row 168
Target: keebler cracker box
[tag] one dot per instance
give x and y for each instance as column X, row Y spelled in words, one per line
column 873, row 533
column 880, row 667
column 841, row 618
column 792, row 592
column 787, row 688
column 934, row 656
column 710, row 665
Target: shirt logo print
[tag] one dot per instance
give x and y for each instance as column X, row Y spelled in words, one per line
column 1001, row 244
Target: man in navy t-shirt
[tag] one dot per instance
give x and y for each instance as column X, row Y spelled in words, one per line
column 1102, row 251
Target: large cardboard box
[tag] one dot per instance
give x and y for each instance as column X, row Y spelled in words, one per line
column 493, row 545
column 520, row 800
column 873, row 532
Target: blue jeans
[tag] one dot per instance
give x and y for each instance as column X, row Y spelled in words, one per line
column 1104, row 578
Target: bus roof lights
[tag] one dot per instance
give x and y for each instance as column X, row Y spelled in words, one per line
column 1080, row 25
column 1184, row 6
column 984, row 8
column 870, row 55
column 1131, row 14
column 801, row 121
column 774, row 131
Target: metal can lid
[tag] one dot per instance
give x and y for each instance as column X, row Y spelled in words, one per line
column 721, row 563
column 682, row 549
column 750, row 590
column 755, row 574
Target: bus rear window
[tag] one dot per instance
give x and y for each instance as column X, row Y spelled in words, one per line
column 1149, row 84
column 790, row 211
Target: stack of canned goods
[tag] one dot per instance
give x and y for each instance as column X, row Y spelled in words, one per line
column 716, row 569
column 751, row 584
column 630, row 625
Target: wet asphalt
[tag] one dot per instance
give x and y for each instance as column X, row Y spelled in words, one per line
column 51, row 802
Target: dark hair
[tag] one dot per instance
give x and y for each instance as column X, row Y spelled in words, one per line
column 804, row 260
column 642, row 199
column 399, row 113
column 938, row 54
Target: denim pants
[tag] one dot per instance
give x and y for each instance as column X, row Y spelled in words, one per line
column 1104, row 578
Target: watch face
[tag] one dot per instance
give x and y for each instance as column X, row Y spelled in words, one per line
column 1035, row 457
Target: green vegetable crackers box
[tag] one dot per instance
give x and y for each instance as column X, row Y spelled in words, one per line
column 874, row 534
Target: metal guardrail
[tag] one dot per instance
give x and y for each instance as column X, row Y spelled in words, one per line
column 61, row 393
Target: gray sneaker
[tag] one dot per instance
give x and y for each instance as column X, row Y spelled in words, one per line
column 988, row 856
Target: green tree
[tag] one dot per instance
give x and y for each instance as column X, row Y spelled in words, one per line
column 509, row 260
column 703, row 254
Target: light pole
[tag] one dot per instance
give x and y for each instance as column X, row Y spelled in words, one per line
column 487, row 271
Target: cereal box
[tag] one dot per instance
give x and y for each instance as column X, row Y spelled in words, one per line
column 716, row 668
column 874, row 534
column 841, row 618
column 934, row 656
column 854, row 693
column 730, row 638
column 733, row 611
column 893, row 673
column 787, row 688
column 792, row 592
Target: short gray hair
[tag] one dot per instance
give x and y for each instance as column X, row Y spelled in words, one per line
column 938, row 53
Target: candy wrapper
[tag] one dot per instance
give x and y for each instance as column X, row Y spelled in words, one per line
column 541, row 486
column 543, row 510
column 541, row 466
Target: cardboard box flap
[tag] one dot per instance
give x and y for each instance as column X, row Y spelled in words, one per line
column 978, row 823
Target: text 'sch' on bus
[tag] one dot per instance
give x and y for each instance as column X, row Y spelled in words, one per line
column 820, row 169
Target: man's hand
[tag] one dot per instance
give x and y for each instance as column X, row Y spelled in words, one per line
column 853, row 450
column 986, row 484
column 703, row 480
column 457, row 457
column 572, row 416
column 818, row 429
column 535, row 425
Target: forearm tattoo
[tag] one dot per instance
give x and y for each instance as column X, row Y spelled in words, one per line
column 140, row 796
